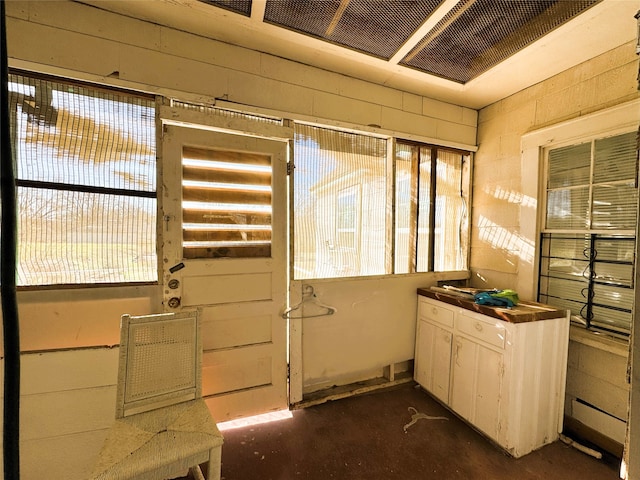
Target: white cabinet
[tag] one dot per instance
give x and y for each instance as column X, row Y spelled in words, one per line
column 506, row 379
column 433, row 372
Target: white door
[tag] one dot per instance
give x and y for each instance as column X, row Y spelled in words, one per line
column 224, row 211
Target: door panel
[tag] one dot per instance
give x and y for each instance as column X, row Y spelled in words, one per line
column 213, row 289
column 488, row 391
column 465, row 360
column 224, row 207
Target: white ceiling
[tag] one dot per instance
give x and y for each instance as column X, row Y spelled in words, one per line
column 601, row 28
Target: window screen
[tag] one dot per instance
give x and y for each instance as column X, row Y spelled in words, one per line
column 86, row 183
column 340, row 204
column 430, row 208
column 361, row 208
column 588, row 245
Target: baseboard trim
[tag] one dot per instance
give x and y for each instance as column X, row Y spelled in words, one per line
column 580, row 432
column 345, row 391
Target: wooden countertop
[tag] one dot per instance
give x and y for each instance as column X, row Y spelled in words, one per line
column 523, row 312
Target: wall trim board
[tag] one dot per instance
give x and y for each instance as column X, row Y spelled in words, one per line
column 347, row 126
column 615, row 346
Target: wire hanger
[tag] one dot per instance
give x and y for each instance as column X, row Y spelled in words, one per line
column 309, row 298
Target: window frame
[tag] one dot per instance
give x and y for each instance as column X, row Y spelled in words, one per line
column 609, row 121
column 588, row 234
column 94, row 189
column 415, row 204
column 391, row 219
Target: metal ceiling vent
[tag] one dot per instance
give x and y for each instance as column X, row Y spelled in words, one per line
column 478, row 34
column 243, row 7
column 466, row 41
column 375, row 27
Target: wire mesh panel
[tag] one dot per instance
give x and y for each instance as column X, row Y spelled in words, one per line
column 340, row 217
column 378, row 28
column 478, row 34
column 86, row 178
column 161, row 358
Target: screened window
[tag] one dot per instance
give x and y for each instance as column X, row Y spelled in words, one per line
column 340, row 191
column 430, row 212
column 86, row 183
column 345, row 222
column 588, row 244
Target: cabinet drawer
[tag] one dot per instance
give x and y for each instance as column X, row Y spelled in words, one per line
column 436, row 313
column 491, row 333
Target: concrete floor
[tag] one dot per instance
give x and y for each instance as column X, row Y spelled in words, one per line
column 364, row 437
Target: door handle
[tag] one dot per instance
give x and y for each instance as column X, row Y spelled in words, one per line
column 456, row 353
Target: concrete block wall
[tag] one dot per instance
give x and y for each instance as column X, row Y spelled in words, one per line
column 504, row 242
column 501, row 250
column 157, row 59
column 66, row 415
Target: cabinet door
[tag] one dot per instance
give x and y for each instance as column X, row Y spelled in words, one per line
column 488, row 393
column 433, row 359
column 477, row 384
column 464, row 365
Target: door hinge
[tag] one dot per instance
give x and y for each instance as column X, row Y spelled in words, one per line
column 290, row 167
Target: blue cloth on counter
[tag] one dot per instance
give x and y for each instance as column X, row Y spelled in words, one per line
column 497, row 298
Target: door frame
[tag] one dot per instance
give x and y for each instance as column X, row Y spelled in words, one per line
column 268, row 127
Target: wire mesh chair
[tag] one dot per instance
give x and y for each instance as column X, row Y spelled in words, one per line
column 163, row 426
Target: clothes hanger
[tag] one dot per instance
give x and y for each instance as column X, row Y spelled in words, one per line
column 309, row 298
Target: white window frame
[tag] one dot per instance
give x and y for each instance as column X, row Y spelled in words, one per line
column 390, row 253
column 608, row 122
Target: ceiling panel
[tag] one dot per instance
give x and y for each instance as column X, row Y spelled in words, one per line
column 476, row 35
column 377, row 28
column 243, row 7
column 466, row 52
column 468, row 38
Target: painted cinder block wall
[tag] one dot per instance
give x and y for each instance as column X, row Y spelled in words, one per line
column 503, row 248
column 69, row 373
column 68, row 336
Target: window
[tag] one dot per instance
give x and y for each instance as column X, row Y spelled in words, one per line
column 340, row 219
column 588, row 243
column 430, row 208
column 86, row 183
column 226, row 201
column 344, row 191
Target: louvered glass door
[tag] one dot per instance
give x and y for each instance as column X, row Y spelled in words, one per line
column 226, row 203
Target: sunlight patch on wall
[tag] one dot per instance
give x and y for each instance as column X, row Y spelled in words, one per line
column 511, row 196
column 501, row 238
